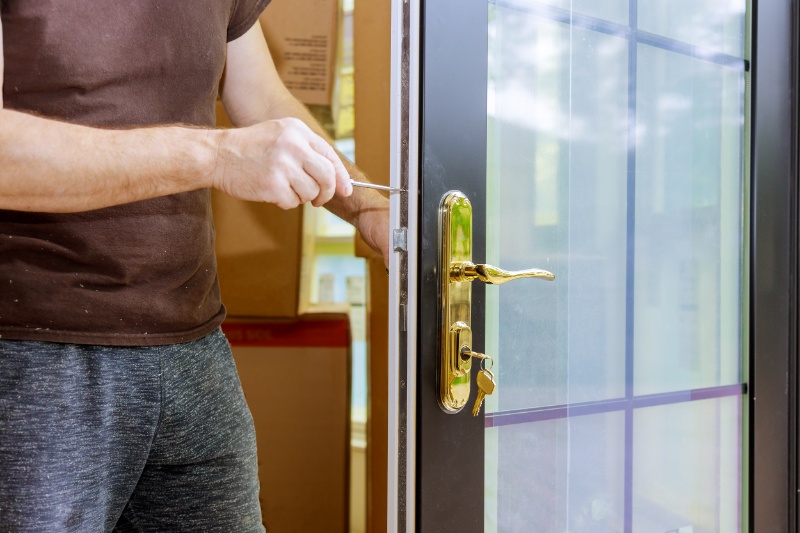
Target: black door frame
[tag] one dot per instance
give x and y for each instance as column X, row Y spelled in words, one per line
column 774, row 294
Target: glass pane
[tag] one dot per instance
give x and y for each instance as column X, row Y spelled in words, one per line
column 688, row 223
column 547, row 486
column 615, row 160
column 557, row 195
column 686, row 467
column 610, row 10
column 715, row 25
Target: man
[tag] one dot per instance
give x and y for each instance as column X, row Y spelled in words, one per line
column 120, row 408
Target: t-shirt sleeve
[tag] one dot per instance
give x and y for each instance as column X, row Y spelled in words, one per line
column 245, row 14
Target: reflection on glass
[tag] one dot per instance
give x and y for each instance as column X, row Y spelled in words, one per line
column 610, row 10
column 686, row 467
column 557, row 194
column 558, row 475
column 714, row 25
column 688, row 223
column 615, row 162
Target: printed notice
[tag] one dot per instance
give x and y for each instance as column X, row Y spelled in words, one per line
column 302, row 38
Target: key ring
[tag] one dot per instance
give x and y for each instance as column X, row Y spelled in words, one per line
column 483, row 363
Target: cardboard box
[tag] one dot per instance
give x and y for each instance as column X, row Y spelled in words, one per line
column 258, row 250
column 302, row 37
column 296, row 378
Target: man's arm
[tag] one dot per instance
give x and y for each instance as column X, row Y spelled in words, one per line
column 52, row 166
column 253, row 92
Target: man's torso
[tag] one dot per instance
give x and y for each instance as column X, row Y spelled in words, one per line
column 141, row 273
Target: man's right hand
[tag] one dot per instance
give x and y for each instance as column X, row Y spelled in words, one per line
column 281, row 162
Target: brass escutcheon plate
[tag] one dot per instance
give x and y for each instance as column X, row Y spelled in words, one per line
column 455, row 235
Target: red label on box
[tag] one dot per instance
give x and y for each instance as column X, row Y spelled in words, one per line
column 302, row 333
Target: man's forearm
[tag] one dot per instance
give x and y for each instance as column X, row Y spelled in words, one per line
column 52, row 166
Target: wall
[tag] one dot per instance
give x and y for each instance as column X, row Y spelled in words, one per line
column 372, row 58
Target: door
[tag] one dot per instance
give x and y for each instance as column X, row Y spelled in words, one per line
column 609, row 144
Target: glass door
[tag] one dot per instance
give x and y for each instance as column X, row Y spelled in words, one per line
column 616, row 160
column 607, row 143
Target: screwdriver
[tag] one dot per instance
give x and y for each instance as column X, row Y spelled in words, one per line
column 374, row 186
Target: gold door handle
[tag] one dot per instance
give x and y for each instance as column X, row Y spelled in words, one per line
column 456, row 271
column 467, row 271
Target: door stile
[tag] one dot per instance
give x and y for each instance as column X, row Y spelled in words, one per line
column 773, row 286
column 450, row 473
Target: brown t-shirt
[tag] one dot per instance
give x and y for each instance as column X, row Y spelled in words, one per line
column 137, row 274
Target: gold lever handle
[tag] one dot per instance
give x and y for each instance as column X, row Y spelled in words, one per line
column 467, row 271
column 455, row 301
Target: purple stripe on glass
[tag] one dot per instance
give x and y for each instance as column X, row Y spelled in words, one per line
column 554, row 412
column 632, row 33
column 687, row 396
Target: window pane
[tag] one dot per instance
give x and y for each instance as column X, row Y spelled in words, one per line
column 557, row 185
column 688, row 223
column 556, row 475
column 716, row 25
column 610, row 10
column 686, row 466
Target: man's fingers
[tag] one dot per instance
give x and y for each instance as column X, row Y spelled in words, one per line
column 305, row 187
column 343, row 186
column 282, row 162
column 288, row 199
column 322, row 171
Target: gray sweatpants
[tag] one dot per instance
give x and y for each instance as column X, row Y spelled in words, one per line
column 97, row 438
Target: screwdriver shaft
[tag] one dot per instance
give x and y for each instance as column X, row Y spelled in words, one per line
column 375, row 186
